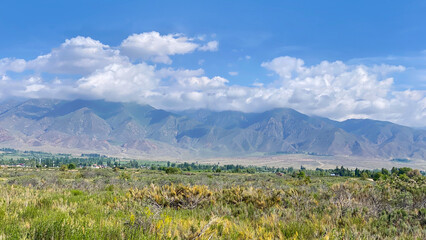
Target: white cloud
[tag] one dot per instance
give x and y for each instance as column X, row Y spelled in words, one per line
column 121, row 82
column 284, row 66
column 336, row 90
column 84, row 55
column 79, row 55
column 341, row 91
column 203, row 82
column 158, row 48
column 34, row 88
column 211, row 46
column 155, row 47
column 34, row 79
column 9, row 64
column 191, row 79
column 330, row 89
column 384, row 69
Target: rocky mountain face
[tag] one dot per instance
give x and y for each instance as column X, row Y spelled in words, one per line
column 107, row 127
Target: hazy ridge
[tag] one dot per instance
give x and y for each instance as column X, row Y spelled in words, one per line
column 128, row 128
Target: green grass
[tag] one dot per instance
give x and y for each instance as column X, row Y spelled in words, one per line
column 147, row 204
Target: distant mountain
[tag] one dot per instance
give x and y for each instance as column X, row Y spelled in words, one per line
column 119, row 128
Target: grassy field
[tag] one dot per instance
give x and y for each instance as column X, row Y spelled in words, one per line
column 148, row 204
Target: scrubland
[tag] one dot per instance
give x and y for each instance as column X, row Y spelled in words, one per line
column 151, row 204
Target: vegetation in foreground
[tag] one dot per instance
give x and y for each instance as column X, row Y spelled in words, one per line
column 47, row 203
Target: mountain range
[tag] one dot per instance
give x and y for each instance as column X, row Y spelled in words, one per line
column 132, row 129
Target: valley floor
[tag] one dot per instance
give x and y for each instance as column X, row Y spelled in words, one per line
column 315, row 161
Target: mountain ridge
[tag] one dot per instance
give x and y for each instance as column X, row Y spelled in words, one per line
column 114, row 127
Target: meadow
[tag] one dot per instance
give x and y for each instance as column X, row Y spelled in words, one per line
column 168, row 203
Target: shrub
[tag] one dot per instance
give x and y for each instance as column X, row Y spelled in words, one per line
column 175, row 196
column 71, row 166
column 257, row 197
column 172, row 170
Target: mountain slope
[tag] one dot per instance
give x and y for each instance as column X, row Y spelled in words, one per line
column 390, row 139
column 96, row 125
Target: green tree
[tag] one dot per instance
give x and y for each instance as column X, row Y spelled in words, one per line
column 301, row 175
column 385, row 171
column 377, row 176
column 71, row 166
column 364, row 176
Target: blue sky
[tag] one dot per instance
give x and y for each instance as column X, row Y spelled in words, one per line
column 339, row 43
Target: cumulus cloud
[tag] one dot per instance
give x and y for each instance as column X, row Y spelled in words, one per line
column 84, row 55
column 341, row 91
column 192, row 79
column 203, row 82
column 284, row 66
column 79, row 55
column 337, row 90
column 158, row 48
column 27, row 87
column 330, row 89
column 9, row 64
column 120, row 82
column 155, row 47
